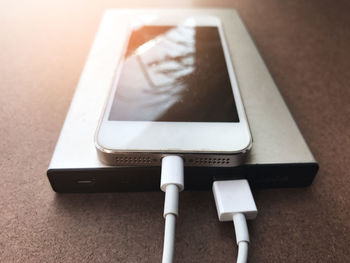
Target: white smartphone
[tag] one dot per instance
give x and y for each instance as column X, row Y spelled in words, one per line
column 175, row 92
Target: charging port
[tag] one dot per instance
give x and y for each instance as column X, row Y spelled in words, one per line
column 86, row 182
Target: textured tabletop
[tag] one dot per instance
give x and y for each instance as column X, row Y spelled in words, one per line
column 43, row 48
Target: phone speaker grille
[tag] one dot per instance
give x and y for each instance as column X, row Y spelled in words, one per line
column 139, row 160
column 210, row 161
column 189, row 160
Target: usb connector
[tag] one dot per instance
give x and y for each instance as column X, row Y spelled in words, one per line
column 234, row 202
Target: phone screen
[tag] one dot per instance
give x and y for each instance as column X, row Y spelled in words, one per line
column 174, row 74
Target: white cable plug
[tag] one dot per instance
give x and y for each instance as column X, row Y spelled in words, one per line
column 172, row 182
column 234, row 202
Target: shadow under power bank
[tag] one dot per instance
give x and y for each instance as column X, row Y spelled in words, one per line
column 280, row 156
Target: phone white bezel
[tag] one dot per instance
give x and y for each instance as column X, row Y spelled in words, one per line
column 177, row 137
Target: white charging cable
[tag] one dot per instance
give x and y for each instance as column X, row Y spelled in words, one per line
column 172, row 182
column 234, row 202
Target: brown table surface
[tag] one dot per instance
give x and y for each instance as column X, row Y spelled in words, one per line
column 43, row 48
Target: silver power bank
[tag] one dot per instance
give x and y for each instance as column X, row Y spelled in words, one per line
column 279, row 157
